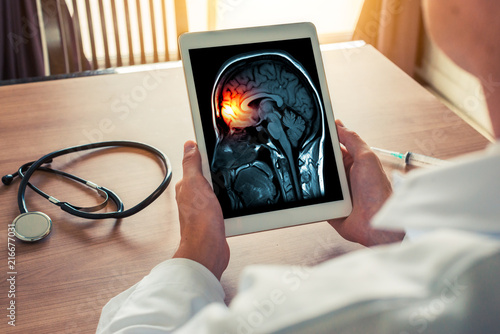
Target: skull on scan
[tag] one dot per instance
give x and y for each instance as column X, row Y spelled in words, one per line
column 270, row 130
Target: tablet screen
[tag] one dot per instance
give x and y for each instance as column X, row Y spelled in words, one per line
column 265, row 127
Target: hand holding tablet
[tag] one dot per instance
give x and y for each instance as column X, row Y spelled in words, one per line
column 265, row 127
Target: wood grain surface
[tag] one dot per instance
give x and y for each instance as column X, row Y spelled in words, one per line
column 63, row 281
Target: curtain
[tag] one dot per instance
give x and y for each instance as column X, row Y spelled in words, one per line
column 20, row 44
column 63, row 38
column 393, row 27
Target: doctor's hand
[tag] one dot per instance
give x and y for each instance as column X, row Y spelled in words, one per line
column 369, row 188
column 203, row 236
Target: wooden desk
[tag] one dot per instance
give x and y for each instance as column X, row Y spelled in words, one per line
column 63, row 281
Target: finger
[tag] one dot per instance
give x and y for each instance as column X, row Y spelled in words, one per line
column 335, row 223
column 191, row 162
column 338, row 224
column 178, row 187
column 345, row 153
column 351, row 140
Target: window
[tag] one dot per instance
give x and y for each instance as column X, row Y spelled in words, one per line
column 334, row 19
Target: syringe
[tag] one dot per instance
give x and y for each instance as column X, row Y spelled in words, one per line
column 413, row 159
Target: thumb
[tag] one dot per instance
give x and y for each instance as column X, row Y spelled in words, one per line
column 351, row 140
column 191, row 162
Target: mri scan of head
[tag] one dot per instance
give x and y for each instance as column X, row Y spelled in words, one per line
column 269, row 124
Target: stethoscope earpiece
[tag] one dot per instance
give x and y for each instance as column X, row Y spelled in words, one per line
column 32, row 226
column 7, row 179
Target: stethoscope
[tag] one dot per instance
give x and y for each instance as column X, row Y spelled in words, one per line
column 35, row 225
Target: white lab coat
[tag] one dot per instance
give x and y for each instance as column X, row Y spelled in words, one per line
column 445, row 281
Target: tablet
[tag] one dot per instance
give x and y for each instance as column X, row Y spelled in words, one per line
column 264, row 125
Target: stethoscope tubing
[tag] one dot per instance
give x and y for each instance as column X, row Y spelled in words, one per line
column 103, row 192
column 65, row 206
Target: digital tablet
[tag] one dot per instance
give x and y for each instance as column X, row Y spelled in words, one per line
column 264, row 125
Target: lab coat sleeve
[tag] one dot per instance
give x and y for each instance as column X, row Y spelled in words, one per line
column 441, row 283
column 164, row 300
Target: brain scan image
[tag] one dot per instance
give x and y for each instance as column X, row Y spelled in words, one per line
column 269, row 125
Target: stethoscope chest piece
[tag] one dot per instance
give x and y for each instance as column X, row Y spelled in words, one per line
column 32, row 226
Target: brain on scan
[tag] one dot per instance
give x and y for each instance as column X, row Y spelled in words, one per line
column 269, row 125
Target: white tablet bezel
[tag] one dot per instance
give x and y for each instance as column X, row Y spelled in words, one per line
column 285, row 217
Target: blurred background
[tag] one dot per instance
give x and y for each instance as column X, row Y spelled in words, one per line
column 50, row 39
